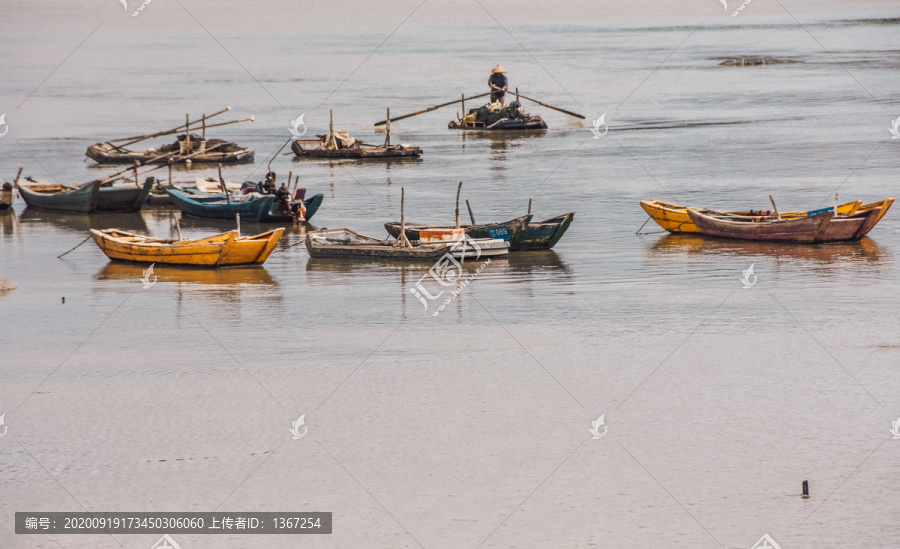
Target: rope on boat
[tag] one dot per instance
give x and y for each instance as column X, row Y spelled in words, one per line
column 73, row 249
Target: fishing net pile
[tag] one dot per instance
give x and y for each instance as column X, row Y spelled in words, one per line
column 489, row 114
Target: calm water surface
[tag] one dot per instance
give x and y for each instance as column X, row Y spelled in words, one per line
column 469, row 429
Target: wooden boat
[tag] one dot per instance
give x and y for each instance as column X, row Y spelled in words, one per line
column 209, row 204
column 7, row 195
column 341, row 145
column 495, row 117
column 819, row 227
column 224, row 152
column 59, row 198
column 347, row 243
column 513, row 231
column 674, row 218
column 89, row 198
column 217, row 207
column 543, row 235
column 214, row 251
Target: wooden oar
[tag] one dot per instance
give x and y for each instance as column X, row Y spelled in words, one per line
column 429, row 109
column 165, row 132
column 458, row 190
column 472, row 217
column 564, row 111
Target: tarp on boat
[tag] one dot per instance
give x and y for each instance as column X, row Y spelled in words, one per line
column 339, row 140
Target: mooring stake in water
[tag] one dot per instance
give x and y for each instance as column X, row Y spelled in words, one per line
column 805, row 489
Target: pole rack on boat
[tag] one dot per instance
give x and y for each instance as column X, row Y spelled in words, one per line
column 429, row 109
column 137, row 138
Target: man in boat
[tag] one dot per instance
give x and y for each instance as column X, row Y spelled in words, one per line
column 498, row 84
column 269, row 185
column 283, row 199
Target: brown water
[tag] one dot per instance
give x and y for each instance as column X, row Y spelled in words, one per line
column 469, row 429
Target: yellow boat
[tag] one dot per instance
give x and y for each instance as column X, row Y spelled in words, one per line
column 214, row 251
column 674, row 218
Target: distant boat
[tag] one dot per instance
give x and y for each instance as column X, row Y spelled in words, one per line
column 819, row 227
column 263, row 209
column 345, row 243
column 217, row 207
column 88, row 198
column 214, row 251
column 337, row 145
column 674, row 218
column 512, row 231
column 521, row 232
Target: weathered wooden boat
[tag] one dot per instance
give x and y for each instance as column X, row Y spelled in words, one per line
column 496, row 117
column 824, row 226
column 513, row 231
column 218, row 207
column 543, row 235
column 340, row 145
column 224, row 152
column 674, row 218
column 349, row 244
column 89, row 198
column 214, row 251
column 7, row 195
column 59, row 198
column 200, row 149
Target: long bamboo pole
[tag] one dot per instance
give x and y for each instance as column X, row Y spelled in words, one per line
column 165, row 132
column 472, row 217
column 429, row 109
column 115, row 176
column 564, row 111
column 180, row 129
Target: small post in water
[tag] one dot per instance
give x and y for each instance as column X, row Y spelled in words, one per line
column 529, row 206
column 472, row 217
column 238, row 217
column 805, row 489
column 177, row 226
column 835, row 204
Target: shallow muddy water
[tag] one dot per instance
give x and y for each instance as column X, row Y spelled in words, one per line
column 471, row 428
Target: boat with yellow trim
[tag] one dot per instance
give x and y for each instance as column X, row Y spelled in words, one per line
column 675, row 219
column 214, row 251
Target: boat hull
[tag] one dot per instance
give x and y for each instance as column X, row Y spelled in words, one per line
column 675, row 219
column 80, row 200
column 215, row 251
column 104, row 155
column 220, row 209
column 124, row 198
column 820, row 227
column 543, row 235
column 314, row 148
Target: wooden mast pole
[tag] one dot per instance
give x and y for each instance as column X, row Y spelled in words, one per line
column 187, row 134
column 458, row 190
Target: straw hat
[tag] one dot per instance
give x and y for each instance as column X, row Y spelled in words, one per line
column 498, row 68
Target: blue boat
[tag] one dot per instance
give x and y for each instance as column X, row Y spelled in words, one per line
column 273, row 214
column 124, row 198
column 218, row 207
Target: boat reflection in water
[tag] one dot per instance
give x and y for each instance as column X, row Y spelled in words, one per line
column 83, row 223
column 223, row 276
column 862, row 250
